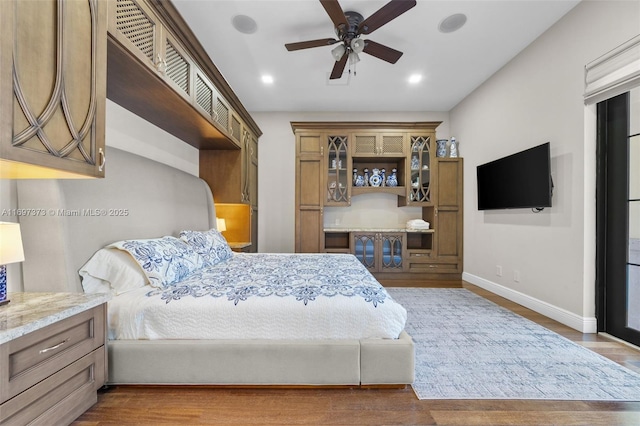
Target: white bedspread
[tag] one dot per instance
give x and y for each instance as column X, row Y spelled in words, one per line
column 263, row 296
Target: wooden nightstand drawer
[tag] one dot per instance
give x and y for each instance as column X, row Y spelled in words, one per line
column 61, row 397
column 33, row 357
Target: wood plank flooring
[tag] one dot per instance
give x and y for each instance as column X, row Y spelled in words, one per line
column 128, row 405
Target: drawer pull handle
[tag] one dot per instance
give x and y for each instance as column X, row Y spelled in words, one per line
column 42, row 351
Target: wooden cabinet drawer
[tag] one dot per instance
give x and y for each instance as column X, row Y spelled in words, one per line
column 419, row 256
column 433, row 267
column 60, row 398
column 33, row 357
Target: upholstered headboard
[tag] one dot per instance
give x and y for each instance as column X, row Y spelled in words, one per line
column 69, row 220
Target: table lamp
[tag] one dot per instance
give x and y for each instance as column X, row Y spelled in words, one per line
column 10, row 252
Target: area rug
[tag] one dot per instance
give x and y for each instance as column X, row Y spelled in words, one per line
column 467, row 347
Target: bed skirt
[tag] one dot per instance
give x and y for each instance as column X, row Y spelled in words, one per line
column 262, row 362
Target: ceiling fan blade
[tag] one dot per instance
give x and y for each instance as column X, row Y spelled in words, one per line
column 338, row 68
column 335, row 12
column 381, row 51
column 386, row 13
column 310, row 43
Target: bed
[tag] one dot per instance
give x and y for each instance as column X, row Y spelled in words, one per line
column 81, row 217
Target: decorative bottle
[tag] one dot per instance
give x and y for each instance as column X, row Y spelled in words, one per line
column 366, row 177
column 383, row 175
column 441, row 147
column 392, row 180
column 355, row 176
column 453, row 148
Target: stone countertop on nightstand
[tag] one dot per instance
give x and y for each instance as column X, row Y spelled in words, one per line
column 28, row 312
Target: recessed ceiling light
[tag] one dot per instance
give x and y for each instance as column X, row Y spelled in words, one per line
column 415, row 78
column 245, row 24
column 267, row 79
column 452, row 23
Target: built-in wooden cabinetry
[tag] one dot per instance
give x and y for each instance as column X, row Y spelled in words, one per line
column 52, row 88
column 233, row 178
column 59, row 60
column 158, row 69
column 327, row 156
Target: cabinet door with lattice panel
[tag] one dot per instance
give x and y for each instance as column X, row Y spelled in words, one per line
column 52, row 88
column 392, row 144
column 136, row 27
column 177, row 67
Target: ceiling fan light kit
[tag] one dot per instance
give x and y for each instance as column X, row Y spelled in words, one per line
column 349, row 26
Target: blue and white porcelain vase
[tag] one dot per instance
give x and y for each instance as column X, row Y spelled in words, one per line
column 366, row 177
column 392, row 180
column 441, row 148
column 375, row 180
column 383, row 175
column 355, row 177
column 359, row 181
column 453, row 148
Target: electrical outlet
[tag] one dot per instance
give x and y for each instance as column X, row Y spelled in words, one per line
column 499, row 270
column 516, row 276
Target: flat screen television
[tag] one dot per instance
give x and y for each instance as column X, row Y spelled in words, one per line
column 520, row 180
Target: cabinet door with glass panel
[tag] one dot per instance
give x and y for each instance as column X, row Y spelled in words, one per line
column 379, row 251
column 338, row 176
column 419, row 186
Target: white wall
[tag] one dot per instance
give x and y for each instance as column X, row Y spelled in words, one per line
column 538, row 97
column 276, row 175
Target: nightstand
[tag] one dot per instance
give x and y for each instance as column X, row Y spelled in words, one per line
column 53, row 356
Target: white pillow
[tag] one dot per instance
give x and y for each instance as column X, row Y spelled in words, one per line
column 112, row 270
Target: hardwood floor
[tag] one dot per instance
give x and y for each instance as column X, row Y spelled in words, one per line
column 123, row 405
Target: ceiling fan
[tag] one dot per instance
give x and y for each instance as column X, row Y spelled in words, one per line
column 349, row 26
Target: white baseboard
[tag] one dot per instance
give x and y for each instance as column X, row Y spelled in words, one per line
column 577, row 322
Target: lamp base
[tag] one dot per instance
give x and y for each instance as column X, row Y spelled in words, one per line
column 3, row 285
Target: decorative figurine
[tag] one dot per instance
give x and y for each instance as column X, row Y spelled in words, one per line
column 392, row 180
column 453, row 148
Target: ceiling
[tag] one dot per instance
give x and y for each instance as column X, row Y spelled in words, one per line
column 452, row 65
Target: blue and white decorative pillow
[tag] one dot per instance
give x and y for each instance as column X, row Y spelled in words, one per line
column 165, row 261
column 210, row 245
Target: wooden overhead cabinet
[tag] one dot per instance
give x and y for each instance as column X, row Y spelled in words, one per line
column 52, row 88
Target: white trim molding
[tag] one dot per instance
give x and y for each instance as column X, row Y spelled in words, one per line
column 613, row 73
column 577, row 322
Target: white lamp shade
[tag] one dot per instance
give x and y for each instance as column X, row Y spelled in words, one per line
column 221, row 224
column 357, row 45
column 338, row 52
column 10, row 243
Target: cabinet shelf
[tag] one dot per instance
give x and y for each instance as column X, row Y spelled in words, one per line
column 396, row 190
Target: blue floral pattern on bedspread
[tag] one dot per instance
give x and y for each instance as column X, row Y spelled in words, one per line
column 303, row 277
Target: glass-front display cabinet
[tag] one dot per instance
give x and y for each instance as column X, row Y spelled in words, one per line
column 379, row 252
column 419, row 186
column 338, row 177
